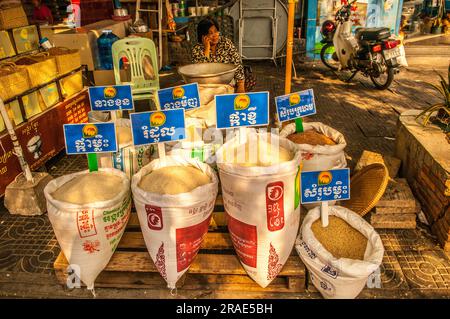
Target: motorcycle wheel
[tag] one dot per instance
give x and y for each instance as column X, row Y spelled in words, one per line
column 385, row 78
column 328, row 57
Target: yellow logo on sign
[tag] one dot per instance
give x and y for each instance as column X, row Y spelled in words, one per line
column 110, row 92
column 157, row 119
column 178, row 93
column 241, row 102
column 294, row 99
column 89, row 130
column 325, row 178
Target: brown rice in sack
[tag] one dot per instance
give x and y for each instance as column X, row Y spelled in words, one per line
column 341, row 257
column 322, row 147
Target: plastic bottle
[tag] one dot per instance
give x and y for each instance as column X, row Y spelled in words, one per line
column 104, row 43
column 46, row 44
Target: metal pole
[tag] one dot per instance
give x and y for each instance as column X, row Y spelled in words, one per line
column 290, row 45
column 17, row 148
column 160, row 35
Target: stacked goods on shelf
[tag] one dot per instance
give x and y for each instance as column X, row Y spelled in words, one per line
column 12, row 17
column 6, row 46
column 397, row 208
column 261, row 201
column 68, row 60
column 14, row 113
column 89, row 212
column 13, row 80
column 41, row 68
column 26, row 39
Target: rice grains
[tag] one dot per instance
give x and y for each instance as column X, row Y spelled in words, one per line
column 340, row 239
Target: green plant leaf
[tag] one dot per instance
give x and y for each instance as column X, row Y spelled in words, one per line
column 446, row 92
column 429, row 112
column 437, row 88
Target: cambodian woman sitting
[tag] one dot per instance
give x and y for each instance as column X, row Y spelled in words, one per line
column 212, row 47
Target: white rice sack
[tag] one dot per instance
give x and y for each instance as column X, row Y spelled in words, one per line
column 174, row 225
column 262, row 207
column 89, row 216
column 338, row 277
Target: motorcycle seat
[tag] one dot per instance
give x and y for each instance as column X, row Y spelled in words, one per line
column 372, row 34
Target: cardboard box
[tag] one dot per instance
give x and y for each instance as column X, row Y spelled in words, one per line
column 26, row 39
column 6, row 47
column 106, row 77
column 13, row 17
column 85, row 39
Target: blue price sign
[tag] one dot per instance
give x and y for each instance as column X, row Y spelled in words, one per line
column 158, row 126
column 111, row 98
column 90, row 138
column 237, row 110
column 295, row 105
column 323, row 186
column 184, row 96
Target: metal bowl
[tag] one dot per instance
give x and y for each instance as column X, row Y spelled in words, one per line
column 208, row 73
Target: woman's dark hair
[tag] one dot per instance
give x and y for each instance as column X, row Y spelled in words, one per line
column 203, row 27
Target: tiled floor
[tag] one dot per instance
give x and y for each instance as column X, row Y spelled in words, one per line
column 413, row 267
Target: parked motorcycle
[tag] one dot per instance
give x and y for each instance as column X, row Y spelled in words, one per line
column 371, row 50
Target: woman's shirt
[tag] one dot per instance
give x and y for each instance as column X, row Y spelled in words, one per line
column 225, row 53
column 43, row 13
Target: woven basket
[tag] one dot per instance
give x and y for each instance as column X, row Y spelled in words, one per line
column 13, row 17
column 71, row 84
column 66, row 59
column 41, row 68
column 13, row 81
column 367, row 187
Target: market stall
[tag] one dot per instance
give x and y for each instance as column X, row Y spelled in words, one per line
column 41, row 89
column 203, row 191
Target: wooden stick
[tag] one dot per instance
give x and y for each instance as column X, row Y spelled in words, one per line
column 324, row 213
column 17, row 148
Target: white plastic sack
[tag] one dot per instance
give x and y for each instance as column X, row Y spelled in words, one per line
column 89, row 234
column 129, row 158
column 320, row 157
column 263, row 210
column 402, row 58
column 338, row 278
column 174, row 225
column 207, row 110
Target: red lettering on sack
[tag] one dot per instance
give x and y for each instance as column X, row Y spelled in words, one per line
column 86, row 224
column 188, row 241
column 275, row 206
column 274, row 267
column 244, row 238
column 161, row 262
column 154, row 217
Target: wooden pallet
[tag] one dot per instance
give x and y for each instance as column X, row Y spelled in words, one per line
column 216, row 266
